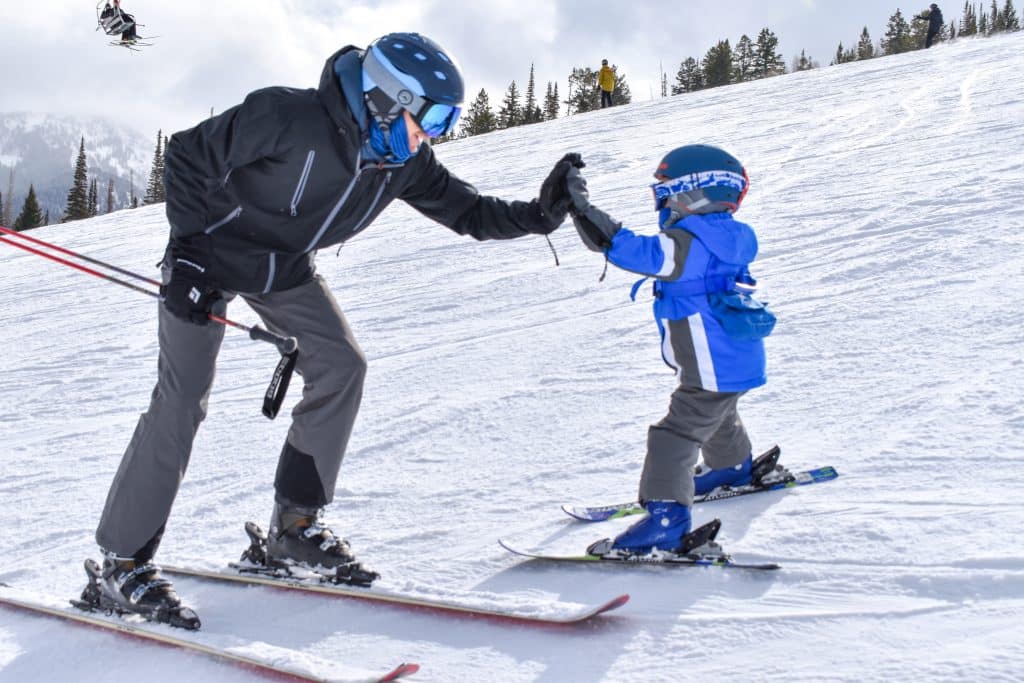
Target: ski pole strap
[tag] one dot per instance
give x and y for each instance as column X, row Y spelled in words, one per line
column 279, row 384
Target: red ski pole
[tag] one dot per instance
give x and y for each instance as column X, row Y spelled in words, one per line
column 284, row 344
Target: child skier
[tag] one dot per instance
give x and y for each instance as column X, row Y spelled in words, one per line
column 711, row 332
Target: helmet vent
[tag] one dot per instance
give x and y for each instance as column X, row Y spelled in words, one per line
column 440, row 76
column 420, row 56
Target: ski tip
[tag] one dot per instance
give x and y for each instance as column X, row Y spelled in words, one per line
column 400, row 671
column 615, row 603
column 572, row 511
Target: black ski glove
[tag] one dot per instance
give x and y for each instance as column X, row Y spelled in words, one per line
column 595, row 227
column 554, row 197
column 189, row 294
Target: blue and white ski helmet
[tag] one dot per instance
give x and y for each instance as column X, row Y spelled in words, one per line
column 699, row 179
column 410, row 72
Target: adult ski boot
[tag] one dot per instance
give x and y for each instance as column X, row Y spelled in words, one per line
column 129, row 586
column 300, row 542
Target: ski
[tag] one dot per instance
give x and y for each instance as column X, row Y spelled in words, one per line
column 696, row 549
column 132, row 629
column 602, row 513
column 483, row 605
column 660, row 559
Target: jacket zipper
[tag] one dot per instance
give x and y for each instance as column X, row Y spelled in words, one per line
column 380, row 191
column 301, row 187
column 337, row 207
column 223, row 221
column 271, row 272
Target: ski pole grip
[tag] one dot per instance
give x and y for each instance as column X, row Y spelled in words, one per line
column 285, row 345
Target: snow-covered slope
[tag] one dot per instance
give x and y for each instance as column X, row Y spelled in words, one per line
column 42, row 150
column 887, row 196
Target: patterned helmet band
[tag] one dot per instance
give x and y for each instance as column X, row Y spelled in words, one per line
column 698, row 181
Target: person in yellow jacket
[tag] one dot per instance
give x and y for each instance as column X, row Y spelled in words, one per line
column 606, row 81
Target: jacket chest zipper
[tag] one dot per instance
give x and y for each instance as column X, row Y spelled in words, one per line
column 376, row 200
column 303, row 179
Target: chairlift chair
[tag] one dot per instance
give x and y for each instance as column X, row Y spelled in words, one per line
column 115, row 23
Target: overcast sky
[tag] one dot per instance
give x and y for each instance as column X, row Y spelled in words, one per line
column 210, row 54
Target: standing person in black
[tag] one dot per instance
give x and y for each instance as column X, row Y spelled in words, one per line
column 935, row 24
column 252, row 194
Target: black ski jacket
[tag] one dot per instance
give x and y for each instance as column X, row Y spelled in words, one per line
column 935, row 21
column 254, row 192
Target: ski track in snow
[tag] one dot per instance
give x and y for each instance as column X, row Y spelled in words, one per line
column 886, row 196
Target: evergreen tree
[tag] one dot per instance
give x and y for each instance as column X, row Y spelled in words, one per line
column 7, row 216
column 982, row 23
column 510, row 114
column 767, row 60
column 530, row 109
column 897, row 35
column 583, row 91
column 865, row 48
column 689, row 78
column 155, row 192
column 952, row 30
column 110, row 196
column 93, row 199
column 621, row 94
column 969, row 23
column 838, row 59
column 743, row 60
column 479, row 119
column 2, row 222
column 995, row 18
column 805, row 63
column 664, row 83
column 717, row 65
column 1010, row 19
column 551, row 103
column 78, row 196
column 30, row 216
column 46, row 218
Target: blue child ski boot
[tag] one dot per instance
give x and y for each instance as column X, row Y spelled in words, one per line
column 706, row 479
column 664, row 527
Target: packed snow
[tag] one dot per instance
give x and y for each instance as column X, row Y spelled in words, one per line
column 887, row 196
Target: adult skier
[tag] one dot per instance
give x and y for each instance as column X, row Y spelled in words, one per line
column 606, row 83
column 700, row 262
column 252, row 194
column 935, row 23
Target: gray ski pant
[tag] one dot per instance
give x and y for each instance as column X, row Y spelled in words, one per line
column 697, row 421
column 332, row 367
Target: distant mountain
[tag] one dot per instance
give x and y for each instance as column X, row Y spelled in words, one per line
column 42, row 148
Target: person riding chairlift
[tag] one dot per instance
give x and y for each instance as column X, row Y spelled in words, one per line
column 114, row 21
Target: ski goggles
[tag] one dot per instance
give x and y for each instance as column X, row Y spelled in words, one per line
column 698, row 181
column 438, row 119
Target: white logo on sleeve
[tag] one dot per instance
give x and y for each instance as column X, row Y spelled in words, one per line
column 194, row 295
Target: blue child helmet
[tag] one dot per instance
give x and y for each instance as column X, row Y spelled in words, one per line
column 408, row 71
column 699, row 179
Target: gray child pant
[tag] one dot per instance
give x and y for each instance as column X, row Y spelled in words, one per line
column 697, row 421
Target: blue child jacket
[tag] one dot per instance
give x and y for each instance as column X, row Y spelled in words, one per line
column 694, row 256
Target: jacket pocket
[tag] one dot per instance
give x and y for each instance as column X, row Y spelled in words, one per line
column 300, row 188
